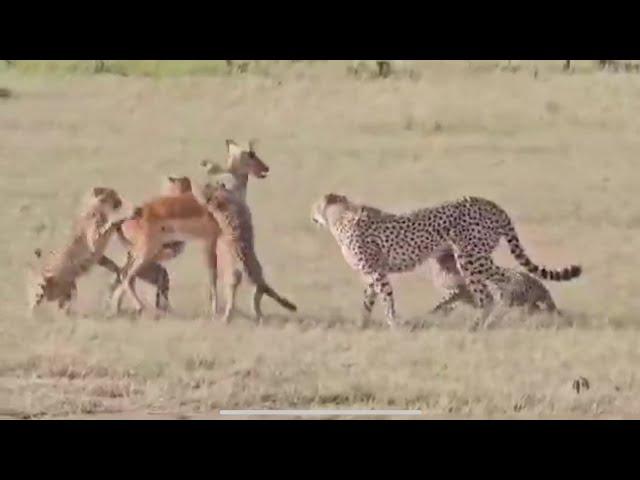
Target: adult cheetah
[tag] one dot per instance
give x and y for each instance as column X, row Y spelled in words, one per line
column 376, row 243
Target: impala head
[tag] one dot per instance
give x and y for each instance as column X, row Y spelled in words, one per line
column 321, row 208
column 245, row 160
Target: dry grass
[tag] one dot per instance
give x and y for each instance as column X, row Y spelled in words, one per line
column 558, row 150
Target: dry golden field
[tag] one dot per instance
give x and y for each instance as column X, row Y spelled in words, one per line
column 559, row 151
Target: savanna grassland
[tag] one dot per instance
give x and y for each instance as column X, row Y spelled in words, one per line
column 558, row 150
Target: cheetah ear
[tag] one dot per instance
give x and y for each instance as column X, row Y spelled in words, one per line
column 332, row 198
column 99, row 191
column 201, row 193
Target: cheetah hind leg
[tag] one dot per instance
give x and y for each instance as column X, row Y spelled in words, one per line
column 383, row 288
column 231, row 291
column 501, row 302
column 119, row 277
column 547, row 305
column 550, row 306
column 476, row 270
column 258, row 293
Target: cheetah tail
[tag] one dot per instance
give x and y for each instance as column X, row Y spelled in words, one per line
column 281, row 300
column 253, row 270
column 559, row 275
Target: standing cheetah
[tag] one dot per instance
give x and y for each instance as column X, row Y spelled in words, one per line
column 234, row 218
column 521, row 289
column 56, row 275
column 376, row 243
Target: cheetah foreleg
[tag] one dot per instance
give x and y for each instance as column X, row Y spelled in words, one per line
column 474, row 270
column 448, row 302
column 382, row 287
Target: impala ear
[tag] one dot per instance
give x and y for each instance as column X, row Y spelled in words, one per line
column 233, row 149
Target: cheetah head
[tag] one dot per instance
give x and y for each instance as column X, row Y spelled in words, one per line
column 320, row 209
column 176, row 185
column 212, row 195
column 104, row 201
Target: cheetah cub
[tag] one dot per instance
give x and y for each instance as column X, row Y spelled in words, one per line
column 234, row 218
column 521, row 290
column 55, row 278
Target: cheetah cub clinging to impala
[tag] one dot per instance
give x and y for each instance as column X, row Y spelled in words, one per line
column 377, row 243
column 234, row 218
column 55, row 279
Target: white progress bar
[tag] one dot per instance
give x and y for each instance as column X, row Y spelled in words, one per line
column 308, row 413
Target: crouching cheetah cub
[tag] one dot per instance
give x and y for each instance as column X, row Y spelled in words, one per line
column 377, row 243
column 521, row 289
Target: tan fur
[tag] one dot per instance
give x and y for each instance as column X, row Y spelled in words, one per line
column 234, row 218
column 58, row 272
column 169, row 220
column 130, row 228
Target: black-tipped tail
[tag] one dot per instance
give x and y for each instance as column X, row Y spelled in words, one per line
column 281, row 300
column 559, row 275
